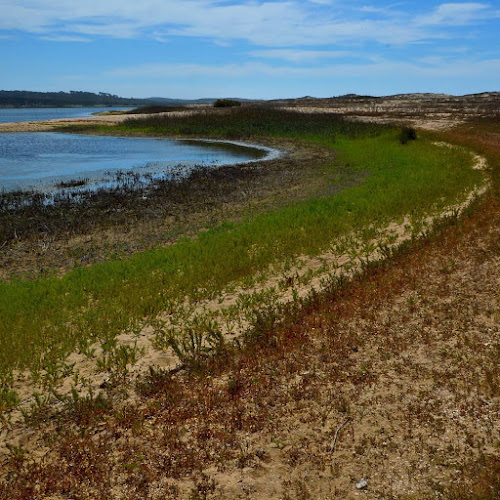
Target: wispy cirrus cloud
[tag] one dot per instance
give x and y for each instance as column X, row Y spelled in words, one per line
column 322, row 2
column 298, row 56
column 283, row 23
column 298, row 45
column 380, row 67
column 65, row 38
column 457, row 14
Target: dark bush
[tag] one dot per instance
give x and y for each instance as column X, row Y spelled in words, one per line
column 226, row 103
column 407, row 134
column 156, row 109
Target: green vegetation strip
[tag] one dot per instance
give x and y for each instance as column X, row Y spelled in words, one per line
column 43, row 321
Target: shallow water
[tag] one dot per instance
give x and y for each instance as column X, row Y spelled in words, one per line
column 43, row 159
column 8, row 115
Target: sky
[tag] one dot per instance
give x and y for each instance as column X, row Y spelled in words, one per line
column 256, row 49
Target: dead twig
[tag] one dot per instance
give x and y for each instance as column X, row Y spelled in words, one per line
column 339, row 428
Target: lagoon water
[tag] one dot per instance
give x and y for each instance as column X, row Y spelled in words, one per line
column 8, row 115
column 41, row 160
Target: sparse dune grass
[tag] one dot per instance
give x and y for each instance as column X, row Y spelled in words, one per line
column 44, row 320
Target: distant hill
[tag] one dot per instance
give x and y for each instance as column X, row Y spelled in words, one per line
column 354, row 96
column 24, row 98
column 29, row 99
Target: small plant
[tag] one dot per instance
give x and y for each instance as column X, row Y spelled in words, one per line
column 8, row 397
column 201, row 337
column 234, row 387
column 83, row 410
column 56, row 369
column 117, row 359
column 156, row 381
column 204, row 487
column 39, row 411
column 16, row 455
column 263, row 321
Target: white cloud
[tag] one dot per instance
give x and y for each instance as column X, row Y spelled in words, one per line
column 118, row 30
column 296, row 55
column 159, row 36
column 456, row 14
column 382, row 67
column 268, row 80
column 222, row 43
column 266, row 23
column 64, row 38
column 432, row 60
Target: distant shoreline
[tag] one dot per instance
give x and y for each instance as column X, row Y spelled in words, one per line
column 69, row 106
column 48, row 125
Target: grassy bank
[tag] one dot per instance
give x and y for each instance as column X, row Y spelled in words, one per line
column 44, row 320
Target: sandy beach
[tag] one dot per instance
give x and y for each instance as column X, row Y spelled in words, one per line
column 43, row 126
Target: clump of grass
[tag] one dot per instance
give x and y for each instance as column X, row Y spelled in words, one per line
column 157, row 382
column 481, row 481
column 199, row 338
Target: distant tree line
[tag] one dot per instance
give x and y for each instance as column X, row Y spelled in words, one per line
column 23, row 98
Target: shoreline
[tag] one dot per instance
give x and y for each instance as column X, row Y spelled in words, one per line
column 48, row 125
column 95, row 119
column 170, row 169
column 122, row 222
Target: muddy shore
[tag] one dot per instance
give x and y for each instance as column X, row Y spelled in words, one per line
column 36, row 238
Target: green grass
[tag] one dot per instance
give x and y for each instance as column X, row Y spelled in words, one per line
column 248, row 122
column 43, row 321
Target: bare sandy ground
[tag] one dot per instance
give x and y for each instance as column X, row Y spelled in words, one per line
column 436, row 121
column 104, row 119
column 46, row 126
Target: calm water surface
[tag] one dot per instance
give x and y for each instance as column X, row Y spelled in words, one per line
column 42, row 114
column 43, row 159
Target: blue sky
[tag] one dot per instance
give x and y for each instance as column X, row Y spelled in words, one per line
column 254, row 49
